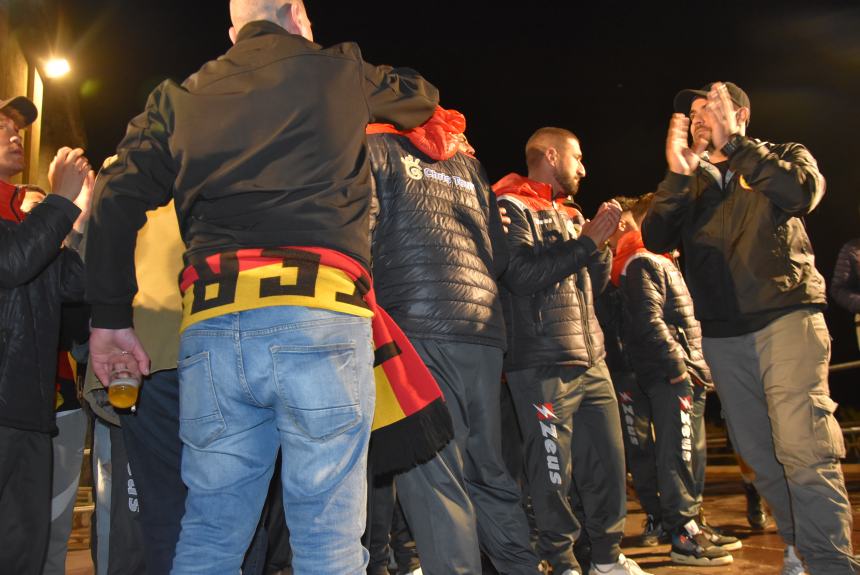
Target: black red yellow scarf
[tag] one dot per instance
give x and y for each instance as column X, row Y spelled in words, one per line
column 411, row 422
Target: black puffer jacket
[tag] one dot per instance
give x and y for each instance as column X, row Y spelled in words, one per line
column 36, row 275
column 547, row 288
column 845, row 285
column 661, row 334
column 747, row 257
column 438, row 244
column 609, row 308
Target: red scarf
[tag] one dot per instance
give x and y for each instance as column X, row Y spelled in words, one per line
column 411, row 422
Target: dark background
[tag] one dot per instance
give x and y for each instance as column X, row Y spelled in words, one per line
column 607, row 71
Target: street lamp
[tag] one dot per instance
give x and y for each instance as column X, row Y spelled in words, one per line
column 56, row 67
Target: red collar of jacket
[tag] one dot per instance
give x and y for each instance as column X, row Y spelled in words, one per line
column 440, row 137
column 628, row 245
column 536, row 195
column 10, row 202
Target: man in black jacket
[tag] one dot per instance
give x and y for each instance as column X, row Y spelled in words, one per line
column 438, row 246
column 555, row 364
column 263, row 150
column 736, row 214
column 36, row 275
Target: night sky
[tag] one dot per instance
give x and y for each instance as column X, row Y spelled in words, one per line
column 604, row 70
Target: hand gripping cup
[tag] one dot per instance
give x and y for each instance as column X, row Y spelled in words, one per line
column 124, row 386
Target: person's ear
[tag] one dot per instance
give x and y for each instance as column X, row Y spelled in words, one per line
column 551, row 156
column 743, row 115
column 294, row 20
column 233, row 34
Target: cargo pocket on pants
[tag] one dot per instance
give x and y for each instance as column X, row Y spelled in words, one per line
column 200, row 418
column 828, row 435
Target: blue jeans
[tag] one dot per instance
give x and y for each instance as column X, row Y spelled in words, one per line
column 154, row 450
column 291, row 377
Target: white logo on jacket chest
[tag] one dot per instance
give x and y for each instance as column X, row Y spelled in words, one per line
column 416, row 172
column 413, row 168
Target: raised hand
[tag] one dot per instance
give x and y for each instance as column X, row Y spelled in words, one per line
column 84, row 201
column 604, row 224
column 721, row 112
column 679, row 156
column 67, row 172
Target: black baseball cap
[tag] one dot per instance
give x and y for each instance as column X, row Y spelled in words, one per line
column 20, row 109
column 684, row 98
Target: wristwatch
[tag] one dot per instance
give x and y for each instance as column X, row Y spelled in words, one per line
column 735, row 141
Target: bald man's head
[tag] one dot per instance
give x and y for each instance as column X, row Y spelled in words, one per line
column 289, row 14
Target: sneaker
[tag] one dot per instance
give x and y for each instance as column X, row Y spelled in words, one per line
column 652, row 532
column 697, row 549
column 791, row 563
column 623, row 566
column 717, row 537
column 416, row 572
column 756, row 516
column 570, row 572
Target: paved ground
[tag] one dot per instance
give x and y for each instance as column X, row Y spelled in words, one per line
column 725, row 507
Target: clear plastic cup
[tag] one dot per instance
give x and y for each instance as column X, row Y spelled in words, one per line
column 123, row 388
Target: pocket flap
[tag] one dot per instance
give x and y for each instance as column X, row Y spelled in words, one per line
column 823, row 402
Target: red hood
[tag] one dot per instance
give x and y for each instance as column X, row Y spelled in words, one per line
column 522, row 186
column 628, row 245
column 10, row 202
column 440, row 137
column 536, row 195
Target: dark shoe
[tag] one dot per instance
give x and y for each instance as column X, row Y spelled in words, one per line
column 756, row 516
column 717, row 537
column 697, row 550
column 651, row 533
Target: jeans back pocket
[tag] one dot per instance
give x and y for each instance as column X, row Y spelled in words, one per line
column 200, row 418
column 318, row 387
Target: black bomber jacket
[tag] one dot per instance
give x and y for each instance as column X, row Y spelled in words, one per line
column 263, row 147
column 747, row 257
column 36, row 276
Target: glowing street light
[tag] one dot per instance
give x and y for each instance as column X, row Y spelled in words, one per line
column 57, row 67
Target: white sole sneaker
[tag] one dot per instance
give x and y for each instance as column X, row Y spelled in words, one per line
column 684, row 559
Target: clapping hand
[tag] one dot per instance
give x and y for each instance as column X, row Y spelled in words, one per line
column 679, row 156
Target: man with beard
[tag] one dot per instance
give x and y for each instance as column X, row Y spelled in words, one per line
column 39, row 270
column 555, row 364
column 737, row 213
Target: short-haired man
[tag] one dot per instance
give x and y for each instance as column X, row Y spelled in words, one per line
column 555, row 364
column 736, row 214
column 37, row 273
column 263, row 151
column 664, row 344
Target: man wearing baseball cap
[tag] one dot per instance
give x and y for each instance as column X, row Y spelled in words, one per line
column 36, row 274
column 734, row 205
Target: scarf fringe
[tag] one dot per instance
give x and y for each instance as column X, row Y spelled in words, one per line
column 410, row 441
